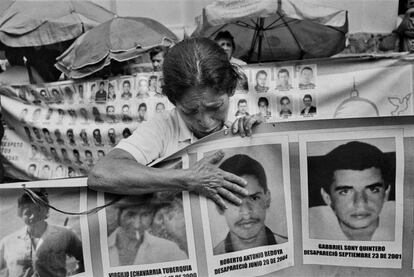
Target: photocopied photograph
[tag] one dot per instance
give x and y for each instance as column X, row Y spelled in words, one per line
column 153, row 231
column 37, row 240
column 353, row 192
column 262, row 221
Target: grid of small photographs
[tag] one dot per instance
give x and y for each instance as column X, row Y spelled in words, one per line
column 71, row 125
column 277, row 93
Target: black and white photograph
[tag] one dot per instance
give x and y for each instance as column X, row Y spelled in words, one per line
column 306, row 76
column 353, row 194
column 284, row 78
column 261, row 80
column 262, row 222
column 147, row 230
column 308, row 105
column 37, row 240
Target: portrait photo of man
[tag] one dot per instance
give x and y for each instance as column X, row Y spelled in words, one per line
column 308, row 108
column 352, row 191
column 283, row 81
column 142, row 112
column 112, row 136
column 261, row 82
column 39, row 241
column 130, row 240
column 101, row 94
column 97, row 137
column 264, row 110
column 126, row 115
column 110, row 114
column 242, row 108
column 142, row 90
column 285, row 107
column 306, row 78
column 246, row 223
column 260, row 220
column 126, row 90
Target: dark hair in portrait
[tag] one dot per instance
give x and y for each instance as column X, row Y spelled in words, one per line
column 353, row 155
column 203, row 64
column 241, row 164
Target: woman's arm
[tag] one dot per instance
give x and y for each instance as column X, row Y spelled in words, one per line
column 120, row 173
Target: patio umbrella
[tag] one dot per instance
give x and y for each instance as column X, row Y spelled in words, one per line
column 274, row 30
column 36, row 23
column 119, row 39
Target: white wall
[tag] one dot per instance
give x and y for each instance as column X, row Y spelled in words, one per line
column 377, row 16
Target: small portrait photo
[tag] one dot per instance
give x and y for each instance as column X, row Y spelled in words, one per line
column 61, row 116
column 126, row 114
column 126, row 87
column 152, row 85
column 45, row 172
column 39, row 241
column 77, row 157
column 264, row 108
column 55, row 94
column 126, row 132
column 160, row 83
column 47, row 156
column 242, row 108
column 49, row 115
column 23, row 115
column 306, row 75
column 112, row 137
column 59, row 172
column 80, row 88
column 101, row 94
column 89, row 159
column 142, row 112
column 46, row 134
column 37, row 134
column 28, row 133
column 100, row 154
column 142, row 87
column 55, row 154
column 36, row 114
column 43, row 95
column 112, row 89
column 34, row 152
column 84, row 116
column 262, row 77
column 97, row 137
column 352, row 189
column 73, row 116
column 65, row 156
column 92, row 89
column 84, row 137
column 110, row 114
column 154, row 224
column 32, row 170
column 71, row 137
column 159, row 107
column 261, row 218
column 308, row 105
column 69, row 93
column 59, row 138
column 284, row 78
column 97, row 115
column 285, row 106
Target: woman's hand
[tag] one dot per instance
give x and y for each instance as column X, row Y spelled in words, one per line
column 207, row 179
column 243, row 125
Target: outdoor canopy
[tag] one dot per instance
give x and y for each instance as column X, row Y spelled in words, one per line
column 36, row 23
column 119, row 39
column 276, row 30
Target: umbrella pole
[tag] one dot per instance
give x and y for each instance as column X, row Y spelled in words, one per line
column 259, row 48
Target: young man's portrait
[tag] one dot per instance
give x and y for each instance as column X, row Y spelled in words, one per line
column 352, row 190
column 260, row 220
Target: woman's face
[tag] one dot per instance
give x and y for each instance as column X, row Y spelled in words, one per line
column 203, row 110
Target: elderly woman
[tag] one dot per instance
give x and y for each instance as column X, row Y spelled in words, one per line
column 198, row 80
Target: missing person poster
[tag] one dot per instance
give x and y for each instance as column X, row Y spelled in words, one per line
column 352, row 198
column 149, row 234
column 256, row 237
column 36, row 240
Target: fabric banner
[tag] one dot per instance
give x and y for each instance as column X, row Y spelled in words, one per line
column 59, row 130
column 301, row 214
